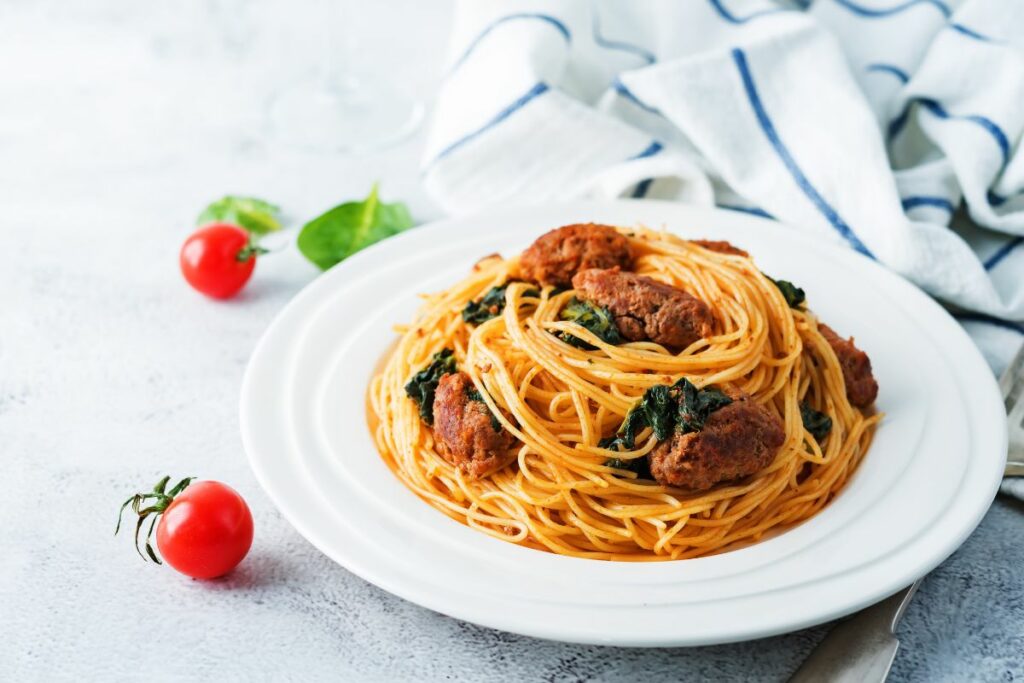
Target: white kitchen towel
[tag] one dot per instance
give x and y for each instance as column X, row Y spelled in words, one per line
column 870, row 122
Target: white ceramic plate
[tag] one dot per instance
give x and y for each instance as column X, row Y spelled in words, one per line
column 925, row 484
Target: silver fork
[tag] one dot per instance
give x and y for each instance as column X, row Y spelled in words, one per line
column 863, row 648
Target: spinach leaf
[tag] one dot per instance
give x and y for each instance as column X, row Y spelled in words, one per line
column 595, row 318
column 490, row 305
column 642, row 466
column 794, row 295
column 335, row 235
column 657, row 407
column 817, row 423
column 254, row 215
column 637, row 419
column 681, row 406
column 474, row 395
column 695, row 405
column 423, row 385
column 663, row 408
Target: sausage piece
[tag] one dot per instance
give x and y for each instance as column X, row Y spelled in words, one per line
column 559, row 254
column 465, row 435
column 736, row 441
column 861, row 387
column 720, row 246
column 645, row 308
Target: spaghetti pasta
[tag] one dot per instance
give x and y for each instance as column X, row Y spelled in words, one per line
column 563, row 493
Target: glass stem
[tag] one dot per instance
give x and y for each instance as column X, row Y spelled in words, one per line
column 336, row 66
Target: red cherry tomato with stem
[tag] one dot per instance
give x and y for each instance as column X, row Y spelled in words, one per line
column 203, row 530
column 218, row 259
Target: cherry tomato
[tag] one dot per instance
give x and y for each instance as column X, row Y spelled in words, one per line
column 204, row 529
column 218, row 260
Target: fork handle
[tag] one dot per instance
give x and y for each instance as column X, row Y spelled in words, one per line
column 860, row 649
column 1014, row 469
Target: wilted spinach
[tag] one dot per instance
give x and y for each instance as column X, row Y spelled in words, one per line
column 490, row 305
column 595, row 318
column 423, row 385
column 794, row 295
column 656, row 409
column 474, row 395
column 642, row 466
column 681, row 406
column 695, row 405
column 817, row 423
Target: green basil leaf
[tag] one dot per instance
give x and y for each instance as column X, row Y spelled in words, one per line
column 254, row 215
column 335, row 235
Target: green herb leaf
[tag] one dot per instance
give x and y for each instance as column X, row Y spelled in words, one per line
column 658, row 406
column 695, row 405
column 655, row 410
column 817, row 423
column 423, row 385
column 681, row 406
column 335, row 235
column 254, row 215
column 625, row 437
column 595, row 318
column 641, row 466
column 794, row 295
column 474, row 395
column 490, row 305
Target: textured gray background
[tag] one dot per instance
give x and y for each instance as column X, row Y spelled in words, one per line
column 118, row 121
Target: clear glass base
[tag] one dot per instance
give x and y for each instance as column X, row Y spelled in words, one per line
column 354, row 116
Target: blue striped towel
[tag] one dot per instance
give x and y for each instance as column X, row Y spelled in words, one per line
column 891, row 126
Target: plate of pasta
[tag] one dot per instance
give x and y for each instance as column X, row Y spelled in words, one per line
column 628, row 423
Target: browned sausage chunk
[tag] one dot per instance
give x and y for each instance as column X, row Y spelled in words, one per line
column 463, row 429
column 737, row 440
column 861, row 387
column 557, row 255
column 645, row 308
column 721, row 246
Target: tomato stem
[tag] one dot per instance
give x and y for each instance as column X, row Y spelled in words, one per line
column 250, row 250
column 159, row 500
